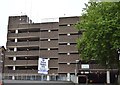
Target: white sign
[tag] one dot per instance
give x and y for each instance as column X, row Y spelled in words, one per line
column 85, row 66
column 43, row 66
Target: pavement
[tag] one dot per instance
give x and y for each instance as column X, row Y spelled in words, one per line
column 22, row 82
column 28, row 82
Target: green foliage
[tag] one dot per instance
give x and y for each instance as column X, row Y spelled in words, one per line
column 101, row 37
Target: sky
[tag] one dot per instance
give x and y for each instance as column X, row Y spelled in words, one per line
column 37, row 10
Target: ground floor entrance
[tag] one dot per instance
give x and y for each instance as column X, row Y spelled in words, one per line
column 96, row 77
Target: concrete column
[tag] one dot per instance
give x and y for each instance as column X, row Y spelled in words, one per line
column 68, row 76
column 15, row 40
column 108, row 77
column 48, row 77
column 15, row 49
column 13, row 77
column 16, row 31
column 13, row 67
column 14, row 58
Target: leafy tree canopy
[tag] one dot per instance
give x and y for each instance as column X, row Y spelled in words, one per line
column 100, row 40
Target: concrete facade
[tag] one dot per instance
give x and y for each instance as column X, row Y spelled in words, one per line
column 2, row 50
column 27, row 41
column 56, row 41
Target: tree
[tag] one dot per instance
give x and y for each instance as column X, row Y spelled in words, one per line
column 100, row 40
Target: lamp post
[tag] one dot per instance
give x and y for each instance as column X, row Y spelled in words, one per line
column 119, row 54
column 76, row 67
column 118, row 70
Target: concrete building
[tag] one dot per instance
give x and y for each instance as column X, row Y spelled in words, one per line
column 2, row 50
column 28, row 41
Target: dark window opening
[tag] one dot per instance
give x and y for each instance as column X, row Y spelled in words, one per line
column 10, row 58
column 74, row 53
column 53, row 58
column 62, row 43
column 11, row 40
column 89, row 62
column 54, row 39
column 26, row 67
column 73, row 43
column 80, row 32
column 23, row 31
column 74, row 34
column 43, row 39
column 27, row 58
column 28, row 49
column 54, row 30
column 28, row 39
column 11, row 31
column 34, row 30
column 10, row 67
column 43, row 30
column 62, row 53
column 62, row 34
column 11, row 49
column 53, row 48
column 63, row 25
column 43, row 49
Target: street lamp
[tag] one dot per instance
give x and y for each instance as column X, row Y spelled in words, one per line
column 118, row 70
column 76, row 68
column 119, row 54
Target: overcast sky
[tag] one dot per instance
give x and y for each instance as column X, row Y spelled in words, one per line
column 37, row 10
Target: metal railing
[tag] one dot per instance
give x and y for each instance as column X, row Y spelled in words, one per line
column 34, row 77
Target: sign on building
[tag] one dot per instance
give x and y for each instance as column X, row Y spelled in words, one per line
column 85, row 66
column 43, row 66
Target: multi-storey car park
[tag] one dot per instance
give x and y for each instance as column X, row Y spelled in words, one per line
column 27, row 41
column 56, row 41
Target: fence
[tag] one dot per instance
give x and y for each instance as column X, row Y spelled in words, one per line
column 34, row 77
